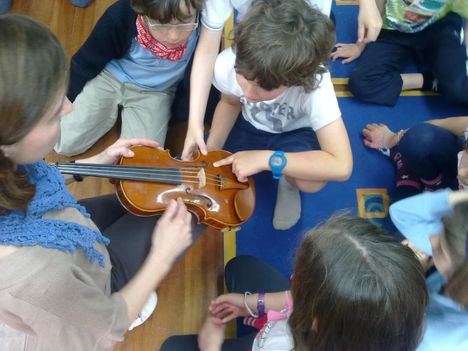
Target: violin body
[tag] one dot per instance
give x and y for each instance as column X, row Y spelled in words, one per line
column 213, row 194
column 147, row 182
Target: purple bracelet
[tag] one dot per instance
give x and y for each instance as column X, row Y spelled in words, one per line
column 261, row 303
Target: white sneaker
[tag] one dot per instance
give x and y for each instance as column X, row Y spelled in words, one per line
column 146, row 311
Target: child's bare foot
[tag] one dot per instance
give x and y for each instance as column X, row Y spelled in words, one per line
column 379, row 136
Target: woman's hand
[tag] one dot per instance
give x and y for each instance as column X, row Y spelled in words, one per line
column 211, row 335
column 246, row 163
column 121, row 148
column 228, row 307
column 173, row 232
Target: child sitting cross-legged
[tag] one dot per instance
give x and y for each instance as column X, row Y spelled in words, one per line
column 431, row 32
column 290, row 121
column 134, row 58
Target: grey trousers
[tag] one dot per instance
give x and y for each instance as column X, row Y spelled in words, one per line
column 145, row 114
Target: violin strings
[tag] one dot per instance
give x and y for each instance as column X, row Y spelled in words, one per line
column 148, row 173
column 134, row 170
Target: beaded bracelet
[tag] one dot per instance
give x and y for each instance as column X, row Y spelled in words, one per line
column 248, row 293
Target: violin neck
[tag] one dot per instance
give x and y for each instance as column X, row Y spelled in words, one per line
column 142, row 174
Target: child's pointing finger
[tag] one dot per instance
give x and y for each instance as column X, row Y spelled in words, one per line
column 224, row 161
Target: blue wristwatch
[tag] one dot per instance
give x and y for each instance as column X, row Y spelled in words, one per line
column 277, row 162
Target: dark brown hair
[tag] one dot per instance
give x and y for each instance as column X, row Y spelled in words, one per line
column 33, row 70
column 164, row 11
column 456, row 236
column 283, row 43
column 361, row 288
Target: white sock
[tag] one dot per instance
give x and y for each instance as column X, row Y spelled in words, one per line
column 288, row 206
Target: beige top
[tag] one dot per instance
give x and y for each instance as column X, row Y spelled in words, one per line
column 61, row 298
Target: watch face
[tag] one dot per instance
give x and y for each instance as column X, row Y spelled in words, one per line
column 276, row 161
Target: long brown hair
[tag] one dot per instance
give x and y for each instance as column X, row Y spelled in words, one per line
column 33, row 69
column 361, row 289
column 283, row 43
column 456, row 236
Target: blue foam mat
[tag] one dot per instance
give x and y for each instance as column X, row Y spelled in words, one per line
column 371, row 170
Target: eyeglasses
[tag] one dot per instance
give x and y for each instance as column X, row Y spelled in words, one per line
column 183, row 27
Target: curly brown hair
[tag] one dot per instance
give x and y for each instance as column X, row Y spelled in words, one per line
column 283, row 43
column 33, row 70
column 164, row 11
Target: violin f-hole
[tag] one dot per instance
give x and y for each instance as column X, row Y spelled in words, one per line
column 209, row 202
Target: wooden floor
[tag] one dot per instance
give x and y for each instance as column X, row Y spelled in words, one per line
column 197, row 278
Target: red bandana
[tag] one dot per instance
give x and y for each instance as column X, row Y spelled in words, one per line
column 160, row 50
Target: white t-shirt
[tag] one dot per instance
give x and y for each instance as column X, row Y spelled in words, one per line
column 291, row 110
column 216, row 12
column 274, row 336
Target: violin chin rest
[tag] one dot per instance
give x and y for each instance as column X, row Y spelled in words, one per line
column 244, row 204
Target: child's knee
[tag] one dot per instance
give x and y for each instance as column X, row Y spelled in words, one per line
column 360, row 85
column 456, row 93
column 309, row 186
column 69, row 147
column 420, row 139
column 369, row 86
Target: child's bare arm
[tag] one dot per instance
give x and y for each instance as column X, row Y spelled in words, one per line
column 369, row 20
column 455, row 125
column 230, row 306
column 333, row 162
column 369, row 26
column 225, row 116
column 275, row 301
column 200, row 83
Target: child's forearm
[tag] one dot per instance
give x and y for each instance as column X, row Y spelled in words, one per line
column 224, row 118
column 202, row 74
column 273, row 301
column 455, row 125
column 379, row 3
column 333, row 162
column 317, row 166
column 361, row 46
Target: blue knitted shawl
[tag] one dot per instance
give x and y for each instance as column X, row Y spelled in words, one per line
column 28, row 228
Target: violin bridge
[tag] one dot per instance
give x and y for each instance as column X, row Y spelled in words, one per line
column 201, row 178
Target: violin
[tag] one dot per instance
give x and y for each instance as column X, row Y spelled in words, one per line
column 147, row 182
